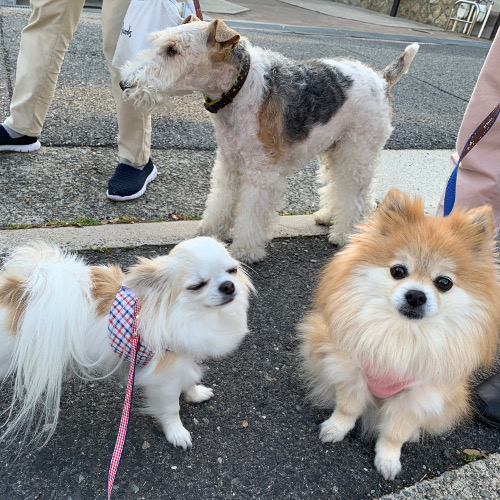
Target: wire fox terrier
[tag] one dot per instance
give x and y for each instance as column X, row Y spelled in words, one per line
column 271, row 116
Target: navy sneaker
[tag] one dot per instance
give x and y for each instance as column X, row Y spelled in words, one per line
column 22, row 144
column 129, row 183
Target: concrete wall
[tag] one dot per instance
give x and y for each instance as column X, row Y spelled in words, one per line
column 435, row 12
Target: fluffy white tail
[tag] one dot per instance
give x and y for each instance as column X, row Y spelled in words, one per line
column 395, row 71
column 50, row 338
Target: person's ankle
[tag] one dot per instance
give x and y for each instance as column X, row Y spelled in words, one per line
column 13, row 134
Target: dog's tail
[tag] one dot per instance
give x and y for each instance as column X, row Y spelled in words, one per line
column 50, row 293
column 397, row 69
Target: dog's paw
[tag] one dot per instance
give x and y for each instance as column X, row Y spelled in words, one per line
column 323, row 217
column 331, row 433
column 178, row 435
column 415, row 437
column 221, row 233
column 198, row 394
column 338, row 239
column 247, row 254
column 389, row 468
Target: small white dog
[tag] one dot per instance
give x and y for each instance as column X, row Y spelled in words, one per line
column 55, row 318
column 273, row 115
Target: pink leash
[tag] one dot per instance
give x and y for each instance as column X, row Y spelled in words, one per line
column 122, row 431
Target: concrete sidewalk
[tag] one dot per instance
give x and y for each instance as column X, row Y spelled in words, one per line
column 326, row 14
column 399, row 170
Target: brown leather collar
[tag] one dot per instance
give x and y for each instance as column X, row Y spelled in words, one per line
column 228, row 96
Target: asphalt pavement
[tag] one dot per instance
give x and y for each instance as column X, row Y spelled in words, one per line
column 258, row 438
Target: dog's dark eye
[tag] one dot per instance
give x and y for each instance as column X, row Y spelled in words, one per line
column 233, row 270
column 399, row 272
column 170, row 51
column 443, row 283
column 197, row 286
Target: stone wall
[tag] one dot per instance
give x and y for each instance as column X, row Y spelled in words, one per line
column 433, row 12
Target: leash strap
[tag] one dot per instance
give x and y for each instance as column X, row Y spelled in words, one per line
column 122, row 431
column 476, row 136
column 197, row 9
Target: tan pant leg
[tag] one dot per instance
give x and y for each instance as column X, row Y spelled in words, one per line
column 478, row 179
column 43, row 44
column 134, row 127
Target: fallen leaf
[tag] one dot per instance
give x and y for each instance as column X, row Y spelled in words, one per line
column 176, row 216
column 244, row 423
column 472, row 452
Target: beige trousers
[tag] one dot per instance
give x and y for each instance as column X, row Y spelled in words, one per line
column 44, row 42
column 478, row 179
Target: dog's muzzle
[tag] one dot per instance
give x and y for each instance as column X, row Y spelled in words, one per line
column 123, row 85
column 414, row 306
column 228, row 291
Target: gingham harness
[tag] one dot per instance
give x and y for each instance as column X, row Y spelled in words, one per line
column 121, row 322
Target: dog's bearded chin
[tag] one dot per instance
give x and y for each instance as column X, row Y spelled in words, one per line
column 411, row 314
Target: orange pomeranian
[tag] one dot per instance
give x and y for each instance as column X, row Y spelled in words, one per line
column 402, row 316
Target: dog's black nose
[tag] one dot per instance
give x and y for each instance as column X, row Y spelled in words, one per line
column 123, row 86
column 227, row 288
column 415, row 298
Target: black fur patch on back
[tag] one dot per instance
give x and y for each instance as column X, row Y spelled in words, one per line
column 308, row 93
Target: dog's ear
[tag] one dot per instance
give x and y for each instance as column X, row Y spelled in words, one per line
column 221, row 34
column 397, row 206
column 153, row 278
column 395, row 201
column 190, row 19
column 142, row 276
column 476, row 228
column 481, row 220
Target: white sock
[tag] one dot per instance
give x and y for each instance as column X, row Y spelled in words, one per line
column 13, row 134
column 130, row 165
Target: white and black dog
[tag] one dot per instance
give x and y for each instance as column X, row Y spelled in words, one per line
column 272, row 115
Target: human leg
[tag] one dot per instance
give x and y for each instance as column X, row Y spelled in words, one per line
column 44, row 42
column 134, row 127
column 135, row 169
column 478, row 179
column 478, row 183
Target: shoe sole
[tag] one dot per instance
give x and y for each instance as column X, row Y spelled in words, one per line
column 151, row 177
column 25, row 148
column 490, row 423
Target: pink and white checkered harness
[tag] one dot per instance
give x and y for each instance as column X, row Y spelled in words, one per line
column 125, row 340
column 120, row 325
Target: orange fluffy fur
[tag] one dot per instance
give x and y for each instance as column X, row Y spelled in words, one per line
column 354, row 318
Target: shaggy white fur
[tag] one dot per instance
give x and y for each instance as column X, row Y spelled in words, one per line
column 286, row 114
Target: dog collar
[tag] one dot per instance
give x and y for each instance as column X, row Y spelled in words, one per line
column 122, row 317
column 228, row 96
column 382, row 385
